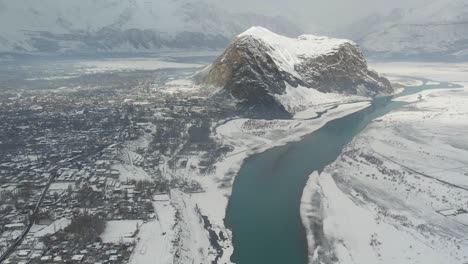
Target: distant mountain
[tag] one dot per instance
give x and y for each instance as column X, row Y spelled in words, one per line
column 435, row 31
column 369, row 24
column 264, row 70
column 123, row 25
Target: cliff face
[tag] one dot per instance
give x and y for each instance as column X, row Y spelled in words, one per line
column 259, row 65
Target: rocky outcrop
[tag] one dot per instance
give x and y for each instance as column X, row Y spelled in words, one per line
column 259, row 65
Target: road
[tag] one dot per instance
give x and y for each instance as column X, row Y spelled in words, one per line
column 53, row 172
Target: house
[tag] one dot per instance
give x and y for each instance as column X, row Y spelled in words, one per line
column 46, row 258
column 77, row 258
column 15, row 226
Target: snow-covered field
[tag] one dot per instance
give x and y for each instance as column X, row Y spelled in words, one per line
column 130, row 64
column 129, row 172
column 60, row 186
column 154, row 239
column 43, row 230
column 448, row 72
column 74, row 68
column 118, row 231
column 399, row 191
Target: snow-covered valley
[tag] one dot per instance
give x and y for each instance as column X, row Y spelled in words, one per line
column 413, row 164
column 233, row 132
column 421, row 222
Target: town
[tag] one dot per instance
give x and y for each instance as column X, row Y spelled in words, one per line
column 71, row 162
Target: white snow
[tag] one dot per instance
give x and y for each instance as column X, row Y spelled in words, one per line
column 360, row 233
column 130, row 64
column 61, row 186
column 394, row 194
column 448, row 72
column 180, row 86
column 306, row 102
column 119, row 231
column 43, row 230
column 129, row 172
column 404, row 81
column 257, row 134
column 154, row 240
column 304, row 45
column 287, row 52
column 194, row 245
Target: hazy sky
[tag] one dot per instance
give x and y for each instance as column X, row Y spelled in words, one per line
column 326, row 12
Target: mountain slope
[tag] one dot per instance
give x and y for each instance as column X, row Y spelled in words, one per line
column 435, row 31
column 118, row 25
column 266, row 71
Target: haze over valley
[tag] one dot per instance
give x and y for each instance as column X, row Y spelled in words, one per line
column 263, row 132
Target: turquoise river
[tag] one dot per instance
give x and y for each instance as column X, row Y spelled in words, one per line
column 264, row 209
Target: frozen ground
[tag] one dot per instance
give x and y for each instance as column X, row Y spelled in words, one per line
column 399, row 191
column 130, row 64
column 305, row 102
column 43, row 230
column 129, row 172
column 60, row 70
column 448, row 72
column 61, row 186
column 120, row 231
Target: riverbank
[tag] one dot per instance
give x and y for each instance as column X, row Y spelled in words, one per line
column 398, row 192
column 248, row 137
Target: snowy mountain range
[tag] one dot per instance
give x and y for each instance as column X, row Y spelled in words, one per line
column 62, row 26
column 435, row 31
column 269, row 72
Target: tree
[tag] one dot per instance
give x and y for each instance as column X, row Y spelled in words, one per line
column 56, row 196
column 70, row 189
column 86, row 228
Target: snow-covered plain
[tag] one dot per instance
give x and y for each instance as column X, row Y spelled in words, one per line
column 118, row 231
column 154, row 239
column 399, row 191
column 130, row 64
column 43, row 230
column 447, row 72
column 84, row 67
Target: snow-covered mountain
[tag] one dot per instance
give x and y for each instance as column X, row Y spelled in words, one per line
column 272, row 72
column 435, row 31
column 123, row 25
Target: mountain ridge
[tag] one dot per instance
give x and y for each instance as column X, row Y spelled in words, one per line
column 87, row 26
column 436, row 31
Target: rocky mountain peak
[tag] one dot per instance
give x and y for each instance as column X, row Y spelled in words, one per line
column 259, row 65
